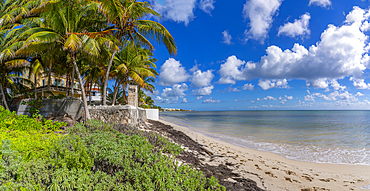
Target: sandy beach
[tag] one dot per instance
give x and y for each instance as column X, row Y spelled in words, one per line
column 274, row 172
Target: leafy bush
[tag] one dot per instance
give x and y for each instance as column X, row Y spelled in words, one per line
column 11, row 121
column 97, row 156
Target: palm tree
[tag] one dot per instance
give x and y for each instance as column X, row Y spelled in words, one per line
column 70, row 29
column 149, row 101
column 132, row 63
column 35, row 69
column 126, row 16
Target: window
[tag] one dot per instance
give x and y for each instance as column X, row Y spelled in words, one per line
column 62, row 82
column 93, row 93
column 43, row 82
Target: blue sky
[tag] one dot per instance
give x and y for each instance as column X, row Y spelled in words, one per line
column 265, row 54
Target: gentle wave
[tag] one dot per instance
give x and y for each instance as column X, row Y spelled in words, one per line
column 340, row 137
column 356, row 156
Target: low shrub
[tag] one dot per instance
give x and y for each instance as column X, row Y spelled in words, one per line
column 97, row 156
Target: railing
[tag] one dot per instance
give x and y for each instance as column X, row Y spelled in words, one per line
column 57, row 88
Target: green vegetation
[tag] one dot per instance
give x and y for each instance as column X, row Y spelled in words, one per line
column 95, row 156
column 96, row 40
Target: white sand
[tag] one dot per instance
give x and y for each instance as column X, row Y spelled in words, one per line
column 274, row 172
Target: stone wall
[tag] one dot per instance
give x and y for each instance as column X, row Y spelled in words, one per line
column 120, row 114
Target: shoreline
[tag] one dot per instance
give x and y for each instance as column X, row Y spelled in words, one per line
column 274, row 172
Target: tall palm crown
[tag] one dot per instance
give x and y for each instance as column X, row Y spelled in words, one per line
column 73, row 26
column 135, row 62
column 126, row 16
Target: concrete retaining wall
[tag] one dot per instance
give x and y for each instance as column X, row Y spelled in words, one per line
column 152, row 114
column 52, row 107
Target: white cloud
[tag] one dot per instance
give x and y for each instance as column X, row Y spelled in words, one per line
column 334, row 96
column 318, row 83
column 360, row 83
column 172, row 72
column 298, row 28
column 200, row 79
column 266, row 98
column 359, row 94
column 260, row 14
column 230, row 72
column 184, row 100
column 172, row 95
column 309, row 98
column 322, row 3
column 341, row 52
column 159, row 99
column 207, row 5
column 289, row 97
column 177, row 10
column 210, row 100
column 203, row 91
column 336, row 85
column 249, row 87
column 268, row 84
column 226, row 37
column 199, row 97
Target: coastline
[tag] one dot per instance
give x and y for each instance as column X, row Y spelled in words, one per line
column 273, row 172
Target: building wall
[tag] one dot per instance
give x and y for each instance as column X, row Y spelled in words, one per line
column 61, row 80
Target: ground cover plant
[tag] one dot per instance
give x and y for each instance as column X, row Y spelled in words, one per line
column 95, row 156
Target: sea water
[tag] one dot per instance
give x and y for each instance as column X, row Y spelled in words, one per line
column 338, row 137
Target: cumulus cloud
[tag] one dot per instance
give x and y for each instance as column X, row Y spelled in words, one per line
column 334, row 96
column 267, row 98
column 283, row 100
column 336, row 85
column 298, row 28
column 260, row 14
column 199, row 97
column 210, row 100
column 172, row 72
column 184, row 100
column 230, row 71
column 200, row 79
column 172, row 95
column 226, row 37
column 249, row 87
column 360, row 83
column 322, row 3
column 268, row 84
column 359, row 94
column 178, row 10
column 203, row 91
column 207, row 5
column 340, row 53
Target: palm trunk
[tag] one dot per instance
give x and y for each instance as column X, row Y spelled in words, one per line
column 106, row 78
column 87, row 114
column 35, row 86
column 49, row 80
column 4, row 100
column 73, row 82
column 90, row 91
column 67, row 84
column 124, row 93
column 115, row 91
column 115, row 95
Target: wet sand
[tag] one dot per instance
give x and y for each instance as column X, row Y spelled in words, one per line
column 273, row 172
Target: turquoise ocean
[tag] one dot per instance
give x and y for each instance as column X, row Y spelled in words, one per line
column 337, row 137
